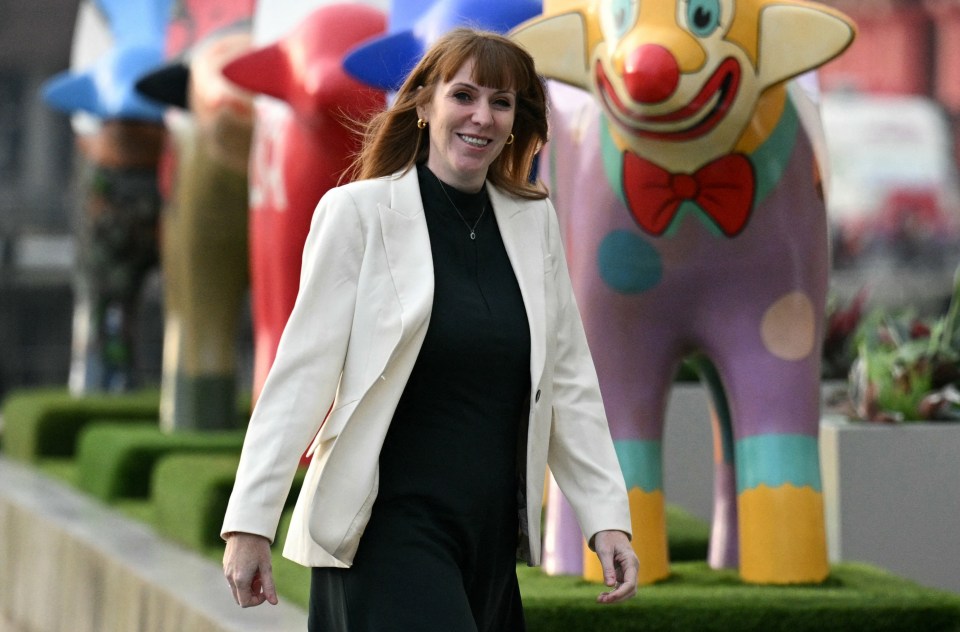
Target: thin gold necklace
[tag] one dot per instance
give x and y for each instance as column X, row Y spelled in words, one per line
column 472, row 229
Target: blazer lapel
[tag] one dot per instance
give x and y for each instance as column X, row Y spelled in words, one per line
column 407, row 246
column 519, row 230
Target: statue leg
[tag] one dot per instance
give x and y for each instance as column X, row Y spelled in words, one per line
column 779, row 500
column 117, row 248
column 562, row 540
column 641, row 462
column 206, row 278
column 782, row 533
column 276, row 247
column 724, row 535
column 286, row 181
column 635, row 395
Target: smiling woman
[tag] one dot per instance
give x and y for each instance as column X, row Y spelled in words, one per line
column 435, row 313
column 469, row 126
column 495, row 64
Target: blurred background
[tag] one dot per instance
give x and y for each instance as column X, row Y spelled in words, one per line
column 36, row 154
column 891, row 109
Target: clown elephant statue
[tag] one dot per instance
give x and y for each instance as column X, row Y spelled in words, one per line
column 686, row 183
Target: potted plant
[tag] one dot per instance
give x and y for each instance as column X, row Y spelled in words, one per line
column 907, row 368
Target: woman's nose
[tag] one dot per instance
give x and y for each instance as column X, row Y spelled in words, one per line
column 482, row 114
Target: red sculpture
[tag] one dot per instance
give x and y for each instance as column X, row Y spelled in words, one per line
column 303, row 142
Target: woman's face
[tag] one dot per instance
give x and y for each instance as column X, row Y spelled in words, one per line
column 468, row 126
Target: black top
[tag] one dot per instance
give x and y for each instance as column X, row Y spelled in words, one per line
column 439, row 552
column 453, row 437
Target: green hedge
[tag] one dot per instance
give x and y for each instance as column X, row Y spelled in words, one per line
column 292, row 579
column 46, row 422
column 63, row 468
column 116, row 460
column 190, row 493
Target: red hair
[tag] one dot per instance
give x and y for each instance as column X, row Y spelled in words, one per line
column 392, row 141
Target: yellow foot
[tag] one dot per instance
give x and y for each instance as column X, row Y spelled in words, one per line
column 782, row 535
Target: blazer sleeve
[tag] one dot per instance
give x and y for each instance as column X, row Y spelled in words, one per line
column 581, row 455
column 302, row 381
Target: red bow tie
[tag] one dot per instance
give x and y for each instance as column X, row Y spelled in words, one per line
column 723, row 188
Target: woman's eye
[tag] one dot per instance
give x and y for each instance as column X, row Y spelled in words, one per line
column 503, row 103
column 463, row 97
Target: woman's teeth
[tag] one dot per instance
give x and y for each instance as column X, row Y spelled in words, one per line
column 473, row 140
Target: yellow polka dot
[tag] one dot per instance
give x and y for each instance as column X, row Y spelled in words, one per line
column 788, row 328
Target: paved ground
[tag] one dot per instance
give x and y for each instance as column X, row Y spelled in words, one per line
column 164, row 586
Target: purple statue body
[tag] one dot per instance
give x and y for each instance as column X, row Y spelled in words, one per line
column 687, row 187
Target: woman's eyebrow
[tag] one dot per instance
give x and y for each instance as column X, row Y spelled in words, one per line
column 474, row 86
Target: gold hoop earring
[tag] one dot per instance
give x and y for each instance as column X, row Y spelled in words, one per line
column 421, row 124
column 509, row 139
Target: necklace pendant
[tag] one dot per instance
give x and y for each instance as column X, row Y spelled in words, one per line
column 473, row 232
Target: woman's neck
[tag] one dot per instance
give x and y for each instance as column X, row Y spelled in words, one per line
column 465, row 184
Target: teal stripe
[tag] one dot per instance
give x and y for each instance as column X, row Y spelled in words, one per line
column 642, row 464
column 771, row 158
column 612, row 159
column 777, row 459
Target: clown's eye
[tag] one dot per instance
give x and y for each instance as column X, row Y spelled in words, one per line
column 618, row 17
column 703, row 16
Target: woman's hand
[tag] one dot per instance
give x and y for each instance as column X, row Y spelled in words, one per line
column 248, row 568
column 620, row 565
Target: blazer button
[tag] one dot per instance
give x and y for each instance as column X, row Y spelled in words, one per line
column 536, row 398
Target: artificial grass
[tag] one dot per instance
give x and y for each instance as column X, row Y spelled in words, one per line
column 856, row 597
column 41, row 423
column 116, row 460
column 688, row 537
column 695, row 598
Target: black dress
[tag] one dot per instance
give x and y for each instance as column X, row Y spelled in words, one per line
column 439, row 552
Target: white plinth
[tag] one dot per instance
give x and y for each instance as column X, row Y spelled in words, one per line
column 891, row 493
column 892, row 497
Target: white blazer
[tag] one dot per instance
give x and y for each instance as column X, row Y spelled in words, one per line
column 366, row 291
